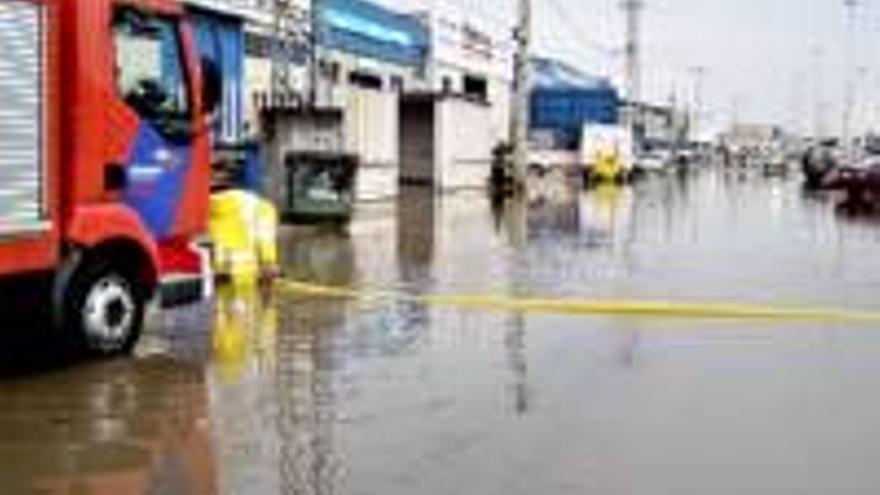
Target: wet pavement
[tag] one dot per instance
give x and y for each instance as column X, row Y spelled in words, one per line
column 262, row 393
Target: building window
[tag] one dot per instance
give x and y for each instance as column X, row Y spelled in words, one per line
column 330, row 71
column 257, row 45
column 476, row 87
column 365, row 80
column 447, row 84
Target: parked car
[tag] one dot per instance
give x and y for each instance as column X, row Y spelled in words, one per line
column 859, row 180
column 654, row 161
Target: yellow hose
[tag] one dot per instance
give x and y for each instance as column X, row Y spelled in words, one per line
column 592, row 306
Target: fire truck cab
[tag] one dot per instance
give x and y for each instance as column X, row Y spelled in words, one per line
column 104, row 164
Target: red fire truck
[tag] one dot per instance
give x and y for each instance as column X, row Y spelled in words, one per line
column 104, row 164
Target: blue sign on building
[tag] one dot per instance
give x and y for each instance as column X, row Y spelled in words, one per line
column 368, row 30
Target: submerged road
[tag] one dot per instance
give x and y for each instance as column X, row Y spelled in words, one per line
column 266, row 392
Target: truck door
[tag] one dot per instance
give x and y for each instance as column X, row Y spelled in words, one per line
column 152, row 80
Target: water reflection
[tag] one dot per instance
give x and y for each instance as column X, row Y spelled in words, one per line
column 597, row 217
column 271, row 393
column 276, row 358
column 245, row 332
column 306, row 388
column 518, row 220
column 605, row 213
column 518, row 363
column 416, row 234
column 321, row 255
column 416, row 248
column 131, row 426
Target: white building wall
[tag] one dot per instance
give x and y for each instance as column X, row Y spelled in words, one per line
column 464, row 144
column 372, row 117
column 464, row 45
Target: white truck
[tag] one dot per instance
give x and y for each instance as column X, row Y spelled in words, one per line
column 612, row 142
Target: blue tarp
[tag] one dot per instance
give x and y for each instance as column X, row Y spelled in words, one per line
column 220, row 38
column 564, row 99
column 556, row 74
column 368, row 30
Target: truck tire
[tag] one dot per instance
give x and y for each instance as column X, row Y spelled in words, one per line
column 104, row 307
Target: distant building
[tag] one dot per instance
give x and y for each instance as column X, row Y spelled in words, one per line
column 659, row 126
column 753, row 136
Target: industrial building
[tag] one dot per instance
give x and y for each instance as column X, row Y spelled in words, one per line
column 450, row 128
column 368, row 57
column 378, row 66
column 660, row 126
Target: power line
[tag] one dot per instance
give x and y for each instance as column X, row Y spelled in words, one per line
column 577, row 32
column 483, row 10
column 508, row 23
column 633, row 10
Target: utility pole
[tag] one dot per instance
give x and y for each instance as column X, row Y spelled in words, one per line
column 818, row 70
column 858, row 113
column 699, row 74
column 519, row 121
column 280, row 54
column 797, row 103
column 315, row 52
column 633, row 52
column 851, row 7
column 289, row 32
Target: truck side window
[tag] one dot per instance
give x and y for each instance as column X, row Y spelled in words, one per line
column 150, row 74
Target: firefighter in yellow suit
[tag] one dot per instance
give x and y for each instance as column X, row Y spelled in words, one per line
column 244, row 229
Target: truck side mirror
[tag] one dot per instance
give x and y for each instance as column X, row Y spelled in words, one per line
column 212, row 86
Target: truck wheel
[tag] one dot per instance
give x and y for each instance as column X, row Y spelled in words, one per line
column 104, row 309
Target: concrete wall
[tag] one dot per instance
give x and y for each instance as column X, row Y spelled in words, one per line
column 446, row 142
column 372, row 126
column 372, row 130
column 462, row 45
column 464, row 144
column 372, row 119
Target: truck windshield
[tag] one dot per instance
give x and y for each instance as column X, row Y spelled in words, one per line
column 150, row 74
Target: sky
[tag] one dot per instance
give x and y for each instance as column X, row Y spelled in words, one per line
column 762, row 57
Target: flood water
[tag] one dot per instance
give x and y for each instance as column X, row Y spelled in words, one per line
column 275, row 393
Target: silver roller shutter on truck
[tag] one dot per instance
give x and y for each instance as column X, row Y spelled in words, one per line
column 22, row 201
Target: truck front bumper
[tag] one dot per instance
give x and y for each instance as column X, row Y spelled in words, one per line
column 191, row 280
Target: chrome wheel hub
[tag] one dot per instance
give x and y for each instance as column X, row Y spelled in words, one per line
column 109, row 312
